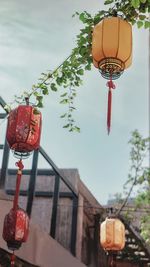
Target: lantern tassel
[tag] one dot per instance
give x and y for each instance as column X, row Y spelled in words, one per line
column 20, row 166
column 111, row 85
column 112, row 262
column 109, row 111
column 12, row 259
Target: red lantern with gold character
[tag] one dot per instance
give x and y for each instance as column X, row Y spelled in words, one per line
column 24, row 130
column 112, row 234
column 112, row 52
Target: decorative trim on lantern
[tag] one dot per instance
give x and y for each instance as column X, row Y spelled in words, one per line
column 21, row 155
column 111, row 67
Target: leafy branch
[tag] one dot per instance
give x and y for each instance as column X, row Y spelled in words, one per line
column 139, row 150
column 139, row 181
column 68, row 75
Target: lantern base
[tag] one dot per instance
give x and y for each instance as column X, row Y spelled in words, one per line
column 21, row 155
column 111, row 68
column 14, row 245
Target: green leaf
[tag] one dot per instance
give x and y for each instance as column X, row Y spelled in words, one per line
column 64, row 101
column 147, row 24
column 53, row 87
column 133, row 21
column 80, row 71
column 142, row 17
column 82, row 17
column 107, row 2
column 63, row 116
column 96, row 19
column 143, row 1
column 39, row 97
column 88, row 67
column 82, row 51
column 40, row 104
column 49, row 75
column 45, row 91
column 63, row 95
column 75, row 14
column 66, row 126
column 76, row 129
column 59, row 80
column 135, row 3
column 140, row 24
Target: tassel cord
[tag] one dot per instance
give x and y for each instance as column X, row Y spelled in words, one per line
column 109, row 110
column 20, row 166
column 111, row 86
column 12, row 259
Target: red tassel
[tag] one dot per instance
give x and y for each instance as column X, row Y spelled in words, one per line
column 109, row 111
column 111, row 85
column 111, row 261
column 18, row 181
column 12, row 259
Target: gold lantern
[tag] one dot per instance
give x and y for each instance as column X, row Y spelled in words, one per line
column 112, row 234
column 112, row 51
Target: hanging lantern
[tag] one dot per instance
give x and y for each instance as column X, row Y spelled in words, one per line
column 24, row 130
column 112, row 234
column 16, row 228
column 16, row 222
column 112, row 52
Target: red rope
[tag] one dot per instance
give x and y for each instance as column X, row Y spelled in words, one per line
column 111, row 85
column 111, row 261
column 20, row 166
column 12, row 259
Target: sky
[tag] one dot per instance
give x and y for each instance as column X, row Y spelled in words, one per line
column 36, row 36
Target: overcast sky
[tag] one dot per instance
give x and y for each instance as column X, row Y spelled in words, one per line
column 38, row 35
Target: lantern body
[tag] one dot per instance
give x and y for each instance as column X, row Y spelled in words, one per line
column 16, row 228
column 112, row 46
column 24, row 129
column 112, row 234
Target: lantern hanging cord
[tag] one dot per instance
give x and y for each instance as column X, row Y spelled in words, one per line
column 20, row 166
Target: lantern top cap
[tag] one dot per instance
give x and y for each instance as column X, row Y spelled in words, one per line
column 113, row 18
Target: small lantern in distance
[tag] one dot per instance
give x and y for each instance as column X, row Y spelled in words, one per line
column 112, row 52
column 112, row 234
column 24, row 130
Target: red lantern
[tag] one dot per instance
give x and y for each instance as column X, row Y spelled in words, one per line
column 24, row 130
column 16, row 228
column 16, row 223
